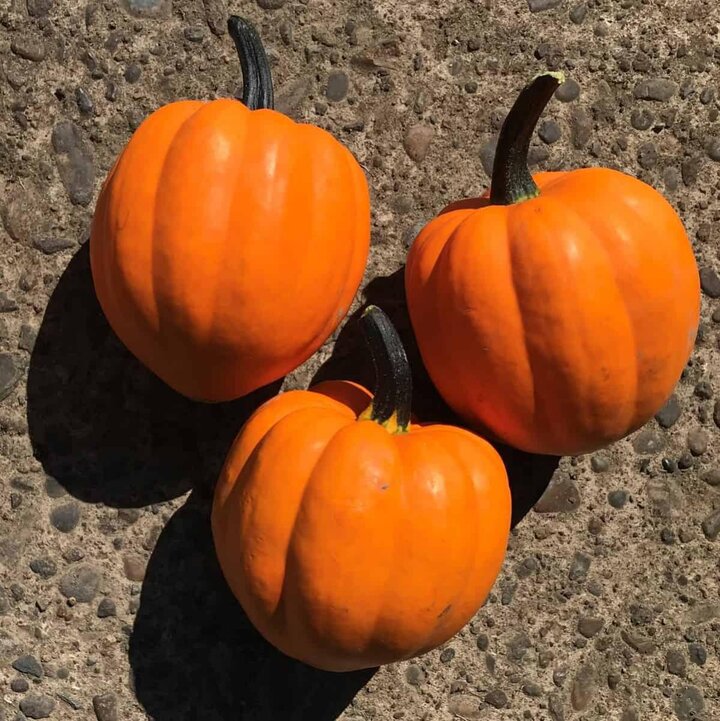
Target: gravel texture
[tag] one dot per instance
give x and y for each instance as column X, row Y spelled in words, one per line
column 111, row 603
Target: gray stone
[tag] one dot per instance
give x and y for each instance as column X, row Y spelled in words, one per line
column 581, row 126
column 7, row 304
column 65, row 517
column 487, row 155
column 579, row 566
column 583, row 688
column 668, row 415
column 496, row 698
column 562, row 496
column 134, row 567
column 716, row 413
column 337, row 86
column 711, row 525
column 713, row 149
column 549, row 132
column 537, row 6
column 38, row 8
column 648, row 442
column 19, row 685
column 555, row 706
column 10, row 375
column 689, row 704
column 106, row 707
column 710, row 282
column 697, row 441
column 53, row 488
column 106, row 608
column 690, row 170
column 643, row 645
column 291, row 96
column 216, row 16
column 84, row 101
column 53, row 244
column 518, row 647
column 414, row 675
column 29, row 47
column 417, row 141
column 589, row 626
column 712, row 477
column 578, row 13
column 698, row 654
column 37, row 706
column 44, row 567
column 74, row 162
column 675, row 663
column 271, row 4
column 617, row 499
column 194, row 33
column 568, row 91
column 657, row 89
column 28, row 336
column 132, row 73
column 600, row 462
column 80, row 583
column 648, row 155
column 28, row 665
column 641, row 119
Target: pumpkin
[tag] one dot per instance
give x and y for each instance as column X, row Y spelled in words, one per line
column 352, row 537
column 228, row 241
column 556, row 312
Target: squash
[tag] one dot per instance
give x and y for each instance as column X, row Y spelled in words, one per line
column 556, row 312
column 352, row 537
column 228, row 241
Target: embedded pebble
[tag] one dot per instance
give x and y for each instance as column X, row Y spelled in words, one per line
column 37, row 706
column 668, row 415
column 65, row 517
column 80, row 583
column 417, row 142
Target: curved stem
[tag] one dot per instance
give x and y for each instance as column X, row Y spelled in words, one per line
column 257, row 79
column 511, row 178
column 393, row 381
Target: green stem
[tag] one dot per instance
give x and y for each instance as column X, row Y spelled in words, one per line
column 511, row 178
column 393, row 381
column 257, row 79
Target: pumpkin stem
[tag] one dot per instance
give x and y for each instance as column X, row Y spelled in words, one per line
column 257, row 79
column 393, row 381
column 511, row 178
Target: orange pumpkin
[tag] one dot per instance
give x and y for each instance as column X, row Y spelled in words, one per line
column 228, row 241
column 555, row 313
column 351, row 537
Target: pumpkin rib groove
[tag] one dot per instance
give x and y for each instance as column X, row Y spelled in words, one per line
column 456, row 465
column 601, row 219
column 291, row 557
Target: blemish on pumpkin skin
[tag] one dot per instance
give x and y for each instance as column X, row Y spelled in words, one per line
column 445, row 610
column 384, row 487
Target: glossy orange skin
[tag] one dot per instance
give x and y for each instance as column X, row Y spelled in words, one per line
column 228, row 244
column 349, row 546
column 558, row 324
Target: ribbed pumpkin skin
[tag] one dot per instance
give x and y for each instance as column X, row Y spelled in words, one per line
column 557, row 324
column 351, row 547
column 228, row 244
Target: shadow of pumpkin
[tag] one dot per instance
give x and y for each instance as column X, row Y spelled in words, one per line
column 104, row 426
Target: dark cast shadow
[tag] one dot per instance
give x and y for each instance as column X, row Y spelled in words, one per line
column 195, row 655
column 107, row 429
column 529, row 474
